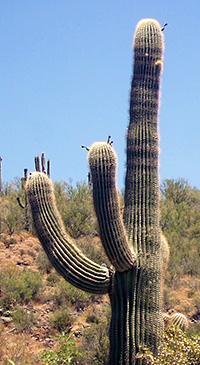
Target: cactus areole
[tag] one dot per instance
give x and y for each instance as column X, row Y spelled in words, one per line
column 132, row 242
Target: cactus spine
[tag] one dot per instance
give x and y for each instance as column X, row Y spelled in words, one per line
column 133, row 247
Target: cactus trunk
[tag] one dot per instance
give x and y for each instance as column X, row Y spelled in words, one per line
column 123, row 347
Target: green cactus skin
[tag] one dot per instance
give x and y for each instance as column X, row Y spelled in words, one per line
column 64, row 255
column 133, row 247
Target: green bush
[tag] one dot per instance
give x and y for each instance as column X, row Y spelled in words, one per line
column 64, row 354
column 61, row 320
column 18, row 287
column 65, row 292
column 76, row 208
column 12, row 216
column 95, row 343
column 92, row 247
column 180, row 223
column 52, row 279
column 193, row 329
column 43, row 263
column 92, row 318
column 23, row 319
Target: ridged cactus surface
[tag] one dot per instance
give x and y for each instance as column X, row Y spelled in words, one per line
column 132, row 243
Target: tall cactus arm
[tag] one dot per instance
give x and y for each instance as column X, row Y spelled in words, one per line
column 141, row 185
column 68, row 260
column 141, row 213
column 103, row 163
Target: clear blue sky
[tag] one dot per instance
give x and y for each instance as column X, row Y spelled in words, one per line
column 65, row 74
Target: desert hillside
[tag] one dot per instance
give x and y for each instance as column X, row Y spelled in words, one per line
column 28, row 324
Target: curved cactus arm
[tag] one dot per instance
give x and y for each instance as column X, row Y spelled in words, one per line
column 68, row 260
column 103, row 163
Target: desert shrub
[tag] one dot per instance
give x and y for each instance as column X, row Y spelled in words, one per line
column 64, row 354
column 76, row 207
column 65, row 292
column 18, row 286
column 61, row 320
column 176, row 348
column 53, row 278
column 166, row 297
column 180, row 223
column 8, row 241
column 197, row 304
column 92, row 318
column 1, row 342
column 95, row 343
column 193, row 329
column 23, row 319
column 92, row 247
column 43, row 263
column 31, row 254
column 17, row 352
column 12, row 216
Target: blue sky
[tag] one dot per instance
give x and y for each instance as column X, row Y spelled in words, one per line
column 65, row 74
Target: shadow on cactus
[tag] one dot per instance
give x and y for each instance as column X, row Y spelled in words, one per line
column 132, row 242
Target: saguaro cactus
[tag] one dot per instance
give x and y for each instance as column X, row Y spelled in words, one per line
column 133, row 242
